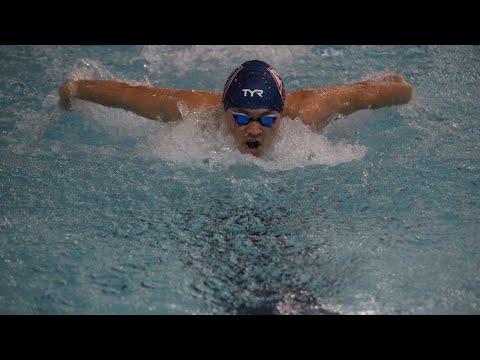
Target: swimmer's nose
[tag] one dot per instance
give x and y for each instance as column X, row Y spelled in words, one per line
column 254, row 129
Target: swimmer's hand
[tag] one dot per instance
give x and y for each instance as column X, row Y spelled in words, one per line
column 66, row 92
column 387, row 90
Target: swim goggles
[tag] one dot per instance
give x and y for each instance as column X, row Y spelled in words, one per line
column 244, row 119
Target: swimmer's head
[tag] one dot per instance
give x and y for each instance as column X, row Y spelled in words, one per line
column 253, row 99
column 254, row 85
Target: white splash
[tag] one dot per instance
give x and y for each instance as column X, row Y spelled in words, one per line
column 201, row 139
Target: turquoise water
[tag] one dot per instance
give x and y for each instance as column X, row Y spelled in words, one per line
column 104, row 212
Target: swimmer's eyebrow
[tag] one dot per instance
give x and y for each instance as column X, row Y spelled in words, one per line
column 266, row 113
column 246, row 112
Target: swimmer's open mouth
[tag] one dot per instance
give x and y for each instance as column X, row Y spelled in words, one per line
column 253, row 144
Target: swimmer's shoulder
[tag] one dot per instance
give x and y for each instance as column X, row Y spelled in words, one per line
column 303, row 98
column 309, row 105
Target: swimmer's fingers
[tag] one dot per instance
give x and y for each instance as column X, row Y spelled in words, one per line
column 66, row 92
column 394, row 78
column 65, row 104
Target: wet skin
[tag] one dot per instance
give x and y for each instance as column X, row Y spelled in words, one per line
column 315, row 107
column 253, row 138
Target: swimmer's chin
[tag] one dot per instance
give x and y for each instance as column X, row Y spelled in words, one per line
column 257, row 152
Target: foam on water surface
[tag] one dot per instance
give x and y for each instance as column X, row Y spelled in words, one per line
column 202, row 139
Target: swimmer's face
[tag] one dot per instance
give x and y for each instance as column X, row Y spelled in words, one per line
column 253, row 138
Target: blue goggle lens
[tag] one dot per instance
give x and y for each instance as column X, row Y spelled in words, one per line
column 243, row 119
column 268, row 120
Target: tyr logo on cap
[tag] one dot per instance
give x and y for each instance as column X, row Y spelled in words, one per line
column 251, row 92
column 243, row 86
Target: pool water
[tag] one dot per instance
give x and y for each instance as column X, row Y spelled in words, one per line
column 104, row 212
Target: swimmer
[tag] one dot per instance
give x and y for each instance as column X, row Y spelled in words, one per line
column 253, row 103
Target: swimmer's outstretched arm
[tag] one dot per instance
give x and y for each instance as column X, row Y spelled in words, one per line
column 149, row 102
column 316, row 106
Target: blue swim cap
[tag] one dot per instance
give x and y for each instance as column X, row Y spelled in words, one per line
column 254, row 85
